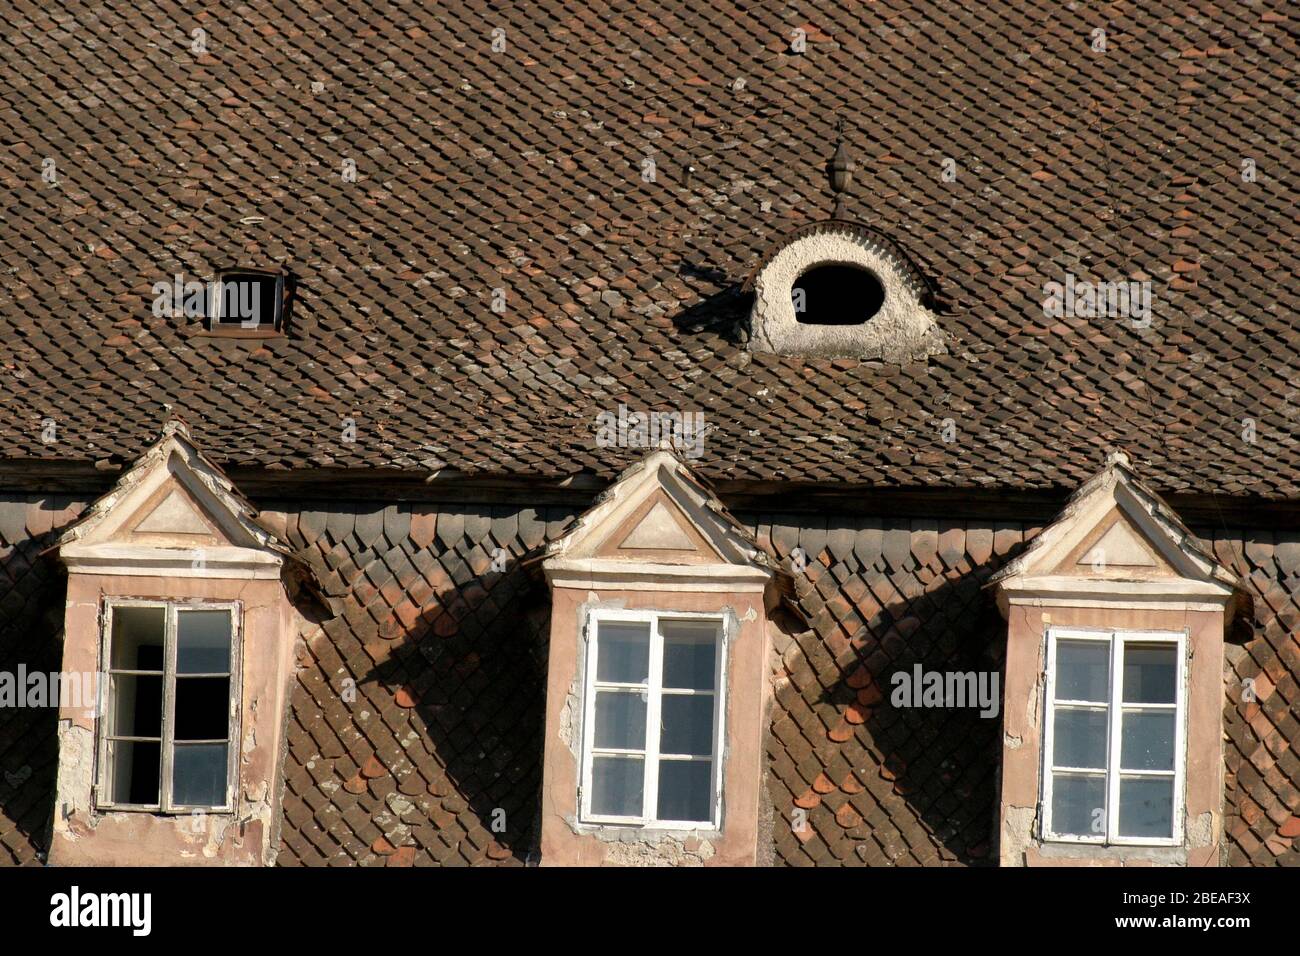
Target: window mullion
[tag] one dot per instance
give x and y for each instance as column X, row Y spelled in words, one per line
column 589, row 715
column 1181, row 703
column 234, row 703
column 104, row 792
column 169, row 707
column 654, row 690
column 1114, row 727
column 719, row 722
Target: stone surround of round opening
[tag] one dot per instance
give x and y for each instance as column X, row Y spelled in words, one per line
column 860, row 300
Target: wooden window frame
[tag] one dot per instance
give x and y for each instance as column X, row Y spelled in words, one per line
column 212, row 324
column 1117, row 639
column 655, row 693
column 103, row 789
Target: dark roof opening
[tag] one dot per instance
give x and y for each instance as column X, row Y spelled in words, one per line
column 836, row 295
column 248, row 301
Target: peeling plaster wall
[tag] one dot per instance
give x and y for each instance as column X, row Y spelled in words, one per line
column 84, row 836
column 566, row 841
column 1022, row 739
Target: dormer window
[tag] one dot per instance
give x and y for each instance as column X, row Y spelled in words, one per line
column 836, row 289
column 656, row 676
column 1113, row 710
column 247, row 301
column 653, row 724
column 179, row 605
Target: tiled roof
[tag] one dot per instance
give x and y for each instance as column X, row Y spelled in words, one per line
column 522, row 171
column 448, row 657
column 887, row 786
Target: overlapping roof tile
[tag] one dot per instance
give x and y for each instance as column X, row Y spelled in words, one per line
column 518, row 176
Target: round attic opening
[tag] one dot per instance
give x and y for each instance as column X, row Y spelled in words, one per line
column 838, row 289
column 836, row 294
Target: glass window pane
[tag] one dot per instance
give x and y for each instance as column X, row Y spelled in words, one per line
column 623, row 652
column 1150, row 673
column 685, row 790
column 1147, row 741
column 203, row 642
column 690, row 655
column 199, row 775
column 1078, row 804
column 620, row 719
column 137, row 638
column 202, row 708
column 135, row 770
column 687, row 724
column 136, row 705
column 1146, row 807
column 617, row 784
column 1079, row 738
column 1083, row 670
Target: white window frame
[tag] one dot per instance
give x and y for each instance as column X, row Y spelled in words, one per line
column 654, row 690
column 216, row 309
column 103, row 796
column 1116, row 639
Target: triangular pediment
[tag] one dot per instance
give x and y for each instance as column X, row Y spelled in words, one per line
column 1116, row 544
column 1116, row 533
column 659, row 529
column 658, row 515
column 173, row 507
column 175, row 514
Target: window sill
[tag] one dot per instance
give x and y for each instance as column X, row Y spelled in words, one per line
column 238, row 334
column 177, row 814
column 656, row 829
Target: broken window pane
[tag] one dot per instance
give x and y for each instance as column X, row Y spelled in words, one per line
column 199, row 775
column 135, row 771
column 137, row 638
column 137, row 705
column 202, row 708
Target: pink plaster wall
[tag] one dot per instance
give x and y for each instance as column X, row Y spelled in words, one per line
column 120, row 838
column 736, row 844
column 1022, row 726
